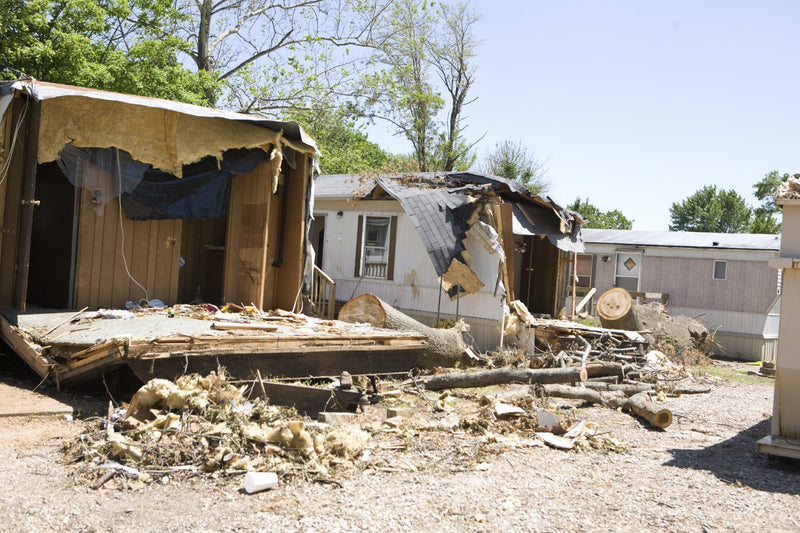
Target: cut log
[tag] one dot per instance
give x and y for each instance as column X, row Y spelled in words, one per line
column 639, row 404
column 597, row 369
column 445, row 346
column 498, row 376
column 615, row 310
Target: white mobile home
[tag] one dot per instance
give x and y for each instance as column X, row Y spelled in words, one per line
column 446, row 246
column 722, row 279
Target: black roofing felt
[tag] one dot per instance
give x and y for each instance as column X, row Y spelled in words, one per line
column 439, row 216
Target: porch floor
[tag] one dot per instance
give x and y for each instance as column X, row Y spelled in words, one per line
column 68, row 347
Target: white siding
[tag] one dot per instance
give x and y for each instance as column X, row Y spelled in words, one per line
column 415, row 288
column 744, row 347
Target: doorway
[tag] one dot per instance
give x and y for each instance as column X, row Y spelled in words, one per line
column 316, row 235
column 52, row 240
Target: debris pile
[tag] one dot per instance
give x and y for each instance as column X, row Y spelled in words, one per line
column 789, row 189
column 681, row 336
column 204, row 424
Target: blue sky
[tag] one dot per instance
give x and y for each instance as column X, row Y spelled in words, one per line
column 638, row 104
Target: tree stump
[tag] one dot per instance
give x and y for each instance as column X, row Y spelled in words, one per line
column 615, row 310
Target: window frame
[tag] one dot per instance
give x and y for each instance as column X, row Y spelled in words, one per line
column 361, row 246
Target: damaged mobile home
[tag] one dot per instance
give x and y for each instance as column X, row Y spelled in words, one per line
column 109, row 198
column 436, row 246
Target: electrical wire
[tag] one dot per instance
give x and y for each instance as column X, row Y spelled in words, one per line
column 7, row 163
column 122, row 229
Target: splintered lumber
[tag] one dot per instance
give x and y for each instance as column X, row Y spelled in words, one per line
column 445, row 346
column 498, row 376
column 243, row 326
column 639, row 404
column 615, row 310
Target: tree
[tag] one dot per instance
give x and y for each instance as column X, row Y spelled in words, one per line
column 600, row 219
column 422, row 38
column 119, row 46
column 403, row 94
column 764, row 219
column 280, row 55
column 711, row 210
column 451, row 57
column 344, row 148
column 512, row 160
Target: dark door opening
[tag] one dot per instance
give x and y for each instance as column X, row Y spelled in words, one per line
column 50, row 271
column 316, row 235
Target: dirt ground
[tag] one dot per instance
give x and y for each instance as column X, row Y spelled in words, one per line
column 701, row 474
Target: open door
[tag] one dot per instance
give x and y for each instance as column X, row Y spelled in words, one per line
column 247, row 261
column 17, row 200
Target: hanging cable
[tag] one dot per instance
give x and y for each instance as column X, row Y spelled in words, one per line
column 7, row 163
column 122, row 229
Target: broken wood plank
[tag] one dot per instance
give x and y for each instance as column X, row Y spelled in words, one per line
column 26, row 350
column 497, row 376
column 223, row 326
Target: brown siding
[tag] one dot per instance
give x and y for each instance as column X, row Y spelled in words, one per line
column 749, row 287
column 150, row 248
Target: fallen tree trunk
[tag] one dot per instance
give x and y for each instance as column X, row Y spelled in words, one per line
column 615, row 310
column 445, row 346
column 639, row 403
column 596, row 369
column 497, row 376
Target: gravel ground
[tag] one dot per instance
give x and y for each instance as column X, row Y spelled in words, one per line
column 700, row 474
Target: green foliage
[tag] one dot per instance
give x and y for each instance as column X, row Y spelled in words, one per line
column 423, row 41
column 764, row 220
column 344, row 148
column 711, row 210
column 117, row 45
column 512, row 160
column 597, row 219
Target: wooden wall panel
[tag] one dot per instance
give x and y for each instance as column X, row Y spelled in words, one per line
column 151, row 249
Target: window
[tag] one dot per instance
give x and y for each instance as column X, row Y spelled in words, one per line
column 720, row 269
column 584, row 270
column 375, row 247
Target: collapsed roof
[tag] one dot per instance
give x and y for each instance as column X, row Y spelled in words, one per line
column 169, row 160
column 445, row 207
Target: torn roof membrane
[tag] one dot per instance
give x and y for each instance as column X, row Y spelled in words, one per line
column 165, row 134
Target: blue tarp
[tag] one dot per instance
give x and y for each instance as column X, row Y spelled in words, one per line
column 149, row 194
